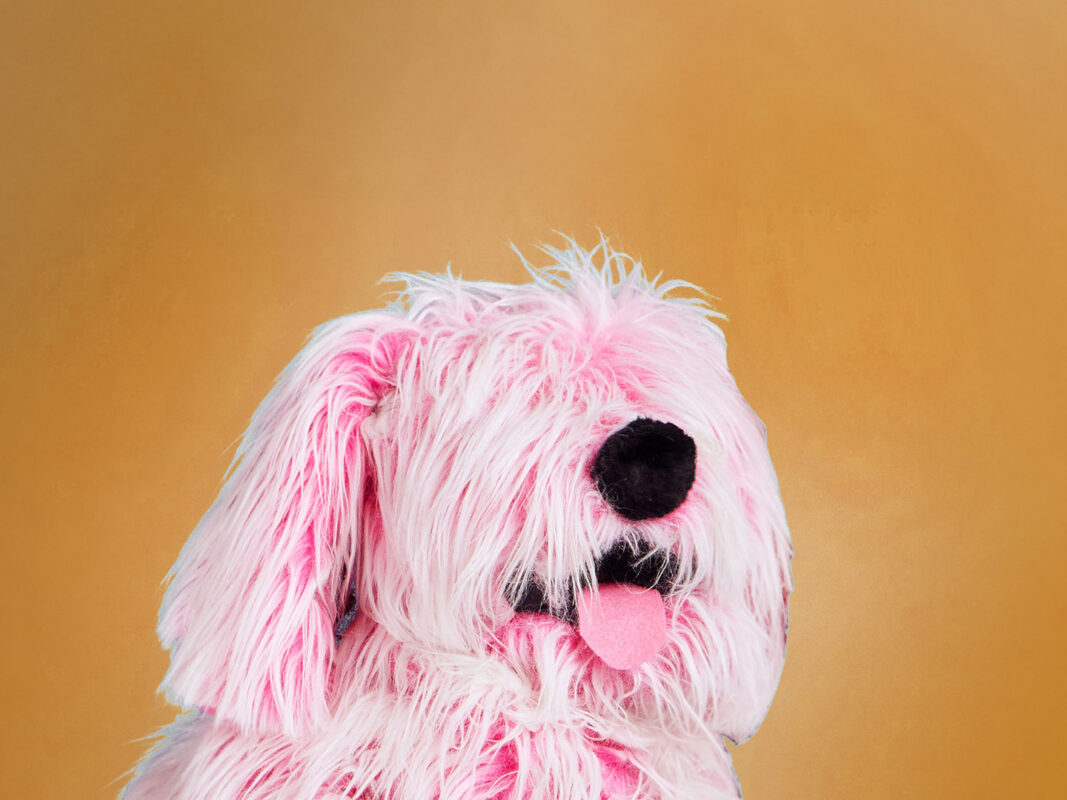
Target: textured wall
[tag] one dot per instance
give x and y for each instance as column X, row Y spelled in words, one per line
column 876, row 192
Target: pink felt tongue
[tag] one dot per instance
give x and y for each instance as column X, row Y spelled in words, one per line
column 623, row 624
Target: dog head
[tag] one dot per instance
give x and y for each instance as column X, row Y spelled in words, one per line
column 482, row 465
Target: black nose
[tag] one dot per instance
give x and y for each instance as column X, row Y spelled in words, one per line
column 646, row 469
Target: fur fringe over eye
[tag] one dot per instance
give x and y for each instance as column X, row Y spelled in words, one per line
column 493, row 541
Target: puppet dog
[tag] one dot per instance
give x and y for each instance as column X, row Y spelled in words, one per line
column 491, row 542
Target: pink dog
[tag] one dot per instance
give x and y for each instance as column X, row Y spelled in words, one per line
column 491, row 542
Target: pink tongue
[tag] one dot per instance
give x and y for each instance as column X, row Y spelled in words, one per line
column 624, row 624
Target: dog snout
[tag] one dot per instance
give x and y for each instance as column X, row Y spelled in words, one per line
column 646, row 469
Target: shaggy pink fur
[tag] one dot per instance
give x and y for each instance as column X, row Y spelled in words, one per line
column 434, row 456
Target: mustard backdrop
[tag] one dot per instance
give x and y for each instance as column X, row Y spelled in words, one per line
column 875, row 191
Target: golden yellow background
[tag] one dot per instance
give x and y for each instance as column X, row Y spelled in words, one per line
column 877, row 193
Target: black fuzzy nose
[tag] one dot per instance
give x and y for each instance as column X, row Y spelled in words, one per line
column 646, row 469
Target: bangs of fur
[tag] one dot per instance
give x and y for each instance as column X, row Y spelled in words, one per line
column 594, row 289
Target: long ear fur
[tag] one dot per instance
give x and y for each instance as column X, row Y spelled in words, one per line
column 764, row 618
column 248, row 617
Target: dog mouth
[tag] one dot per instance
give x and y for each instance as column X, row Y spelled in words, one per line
column 624, row 620
column 637, row 565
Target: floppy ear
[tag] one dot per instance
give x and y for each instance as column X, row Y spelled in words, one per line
column 250, row 610
column 762, row 617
